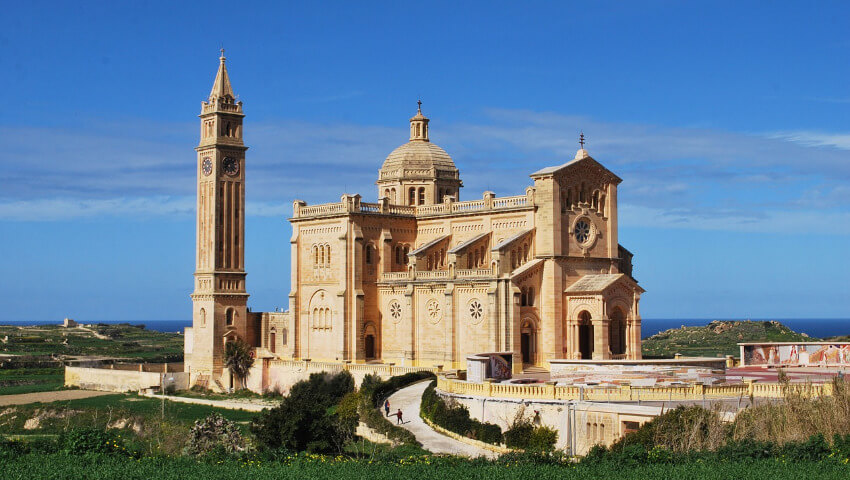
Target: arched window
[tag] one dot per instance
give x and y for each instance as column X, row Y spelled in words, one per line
column 283, row 336
column 369, row 249
column 202, row 315
column 405, row 251
column 530, row 296
column 229, row 316
column 523, row 297
column 411, row 196
column 272, row 341
column 421, row 195
column 392, row 196
column 386, row 192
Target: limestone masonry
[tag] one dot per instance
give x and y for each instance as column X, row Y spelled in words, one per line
column 418, row 277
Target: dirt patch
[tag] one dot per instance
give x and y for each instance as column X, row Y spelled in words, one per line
column 46, row 397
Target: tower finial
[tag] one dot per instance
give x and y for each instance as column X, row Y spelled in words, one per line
column 581, row 139
column 419, row 106
column 222, row 54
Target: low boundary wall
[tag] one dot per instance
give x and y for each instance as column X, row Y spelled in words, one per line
column 123, row 380
column 627, row 393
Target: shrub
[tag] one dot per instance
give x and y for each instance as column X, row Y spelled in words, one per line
column 524, row 435
column 212, row 433
column 455, row 418
column 80, row 441
column 307, row 419
column 679, row 430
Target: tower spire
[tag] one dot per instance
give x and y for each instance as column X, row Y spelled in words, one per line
column 221, row 86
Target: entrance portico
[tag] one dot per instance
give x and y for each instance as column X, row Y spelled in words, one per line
column 602, row 318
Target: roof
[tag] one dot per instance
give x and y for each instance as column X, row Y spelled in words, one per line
column 419, row 155
column 508, row 240
column 527, row 266
column 429, row 245
column 467, row 243
column 581, row 156
column 221, row 86
column 594, row 283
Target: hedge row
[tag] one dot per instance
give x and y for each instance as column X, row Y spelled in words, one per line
column 456, row 418
column 374, row 391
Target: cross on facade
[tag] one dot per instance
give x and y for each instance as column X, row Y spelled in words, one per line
column 419, row 103
column 581, row 140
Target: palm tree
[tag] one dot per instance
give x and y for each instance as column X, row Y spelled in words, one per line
column 238, row 358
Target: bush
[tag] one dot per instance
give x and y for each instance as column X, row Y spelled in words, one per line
column 682, row 429
column 524, row 435
column 81, row 441
column 455, row 418
column 214, row 433
column 307, row 419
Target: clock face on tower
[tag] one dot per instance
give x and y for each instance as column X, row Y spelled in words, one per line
column 230, row 166
column 206, row 166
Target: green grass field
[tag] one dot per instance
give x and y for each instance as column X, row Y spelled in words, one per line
column 123, row 341
column 28, row 380
column 59, row 466
column 57, row 417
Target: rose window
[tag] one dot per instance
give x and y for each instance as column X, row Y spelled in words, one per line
column 395, row 310
column 582, row 231
column 435, row 313
column 476, row 311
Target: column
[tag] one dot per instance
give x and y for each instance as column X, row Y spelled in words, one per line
column 600, row 338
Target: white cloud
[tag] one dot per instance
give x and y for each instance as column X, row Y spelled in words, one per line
column 685, row 177
column 817, row 139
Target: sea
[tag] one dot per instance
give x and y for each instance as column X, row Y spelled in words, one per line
column 814, row 327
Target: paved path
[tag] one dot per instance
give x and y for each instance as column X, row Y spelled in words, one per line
column 46, row 397
column 408, row 399
column 229, row 404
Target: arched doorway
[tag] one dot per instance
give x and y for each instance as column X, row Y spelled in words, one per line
column 617, row 332
column 528, row 341
column 585, row 335
column 370, row 347
column 370, row 342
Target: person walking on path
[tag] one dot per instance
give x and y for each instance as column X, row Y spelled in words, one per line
column 387, row 407
column 399, row 419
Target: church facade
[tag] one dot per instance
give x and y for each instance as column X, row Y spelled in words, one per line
column 418, row 277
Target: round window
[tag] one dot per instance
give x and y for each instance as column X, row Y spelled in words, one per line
column 582, row 231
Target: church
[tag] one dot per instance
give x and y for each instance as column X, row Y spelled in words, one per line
column 421, row 276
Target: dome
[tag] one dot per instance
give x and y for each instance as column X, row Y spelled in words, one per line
column 418, row 155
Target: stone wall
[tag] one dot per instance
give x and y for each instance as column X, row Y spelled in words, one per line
column 580, row 425
column 111, row 380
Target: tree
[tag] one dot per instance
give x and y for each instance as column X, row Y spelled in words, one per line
column 238, row 358
column 310, row 418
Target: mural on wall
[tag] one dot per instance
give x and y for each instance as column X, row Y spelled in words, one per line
column 814, row 354
column 500, row 366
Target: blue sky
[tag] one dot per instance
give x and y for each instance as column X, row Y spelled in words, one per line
column 728, row 121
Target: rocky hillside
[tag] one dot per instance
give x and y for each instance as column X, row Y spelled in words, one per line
column 717, row 338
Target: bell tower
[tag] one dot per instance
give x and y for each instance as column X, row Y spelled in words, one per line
column 219, row 302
